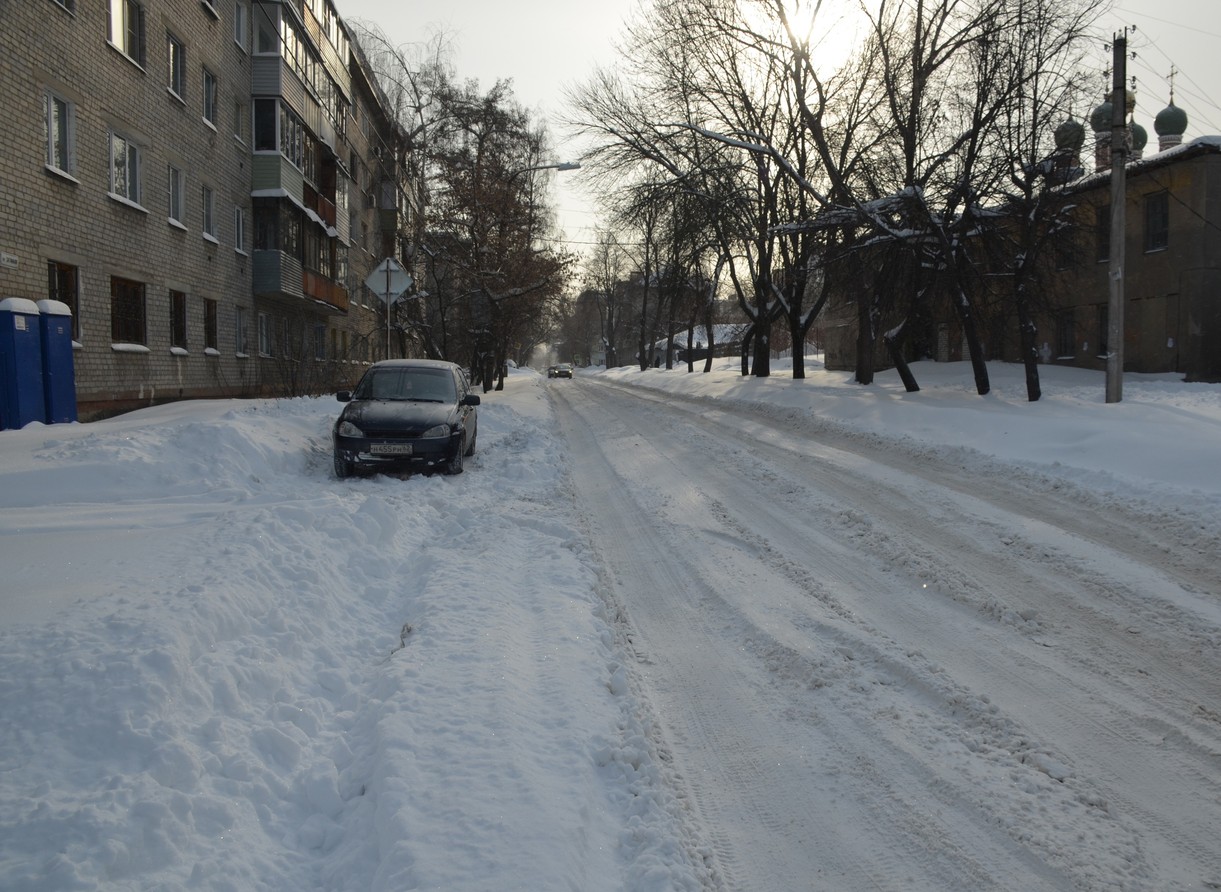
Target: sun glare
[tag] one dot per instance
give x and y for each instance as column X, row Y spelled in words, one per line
column 830, row 29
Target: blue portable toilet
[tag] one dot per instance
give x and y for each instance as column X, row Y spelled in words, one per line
column 21, row 397
column 58, row 371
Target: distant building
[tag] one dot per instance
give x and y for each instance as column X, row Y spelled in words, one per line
column 724, row 340
column 183, row 175
column 1172, row 276
column 1172, row 259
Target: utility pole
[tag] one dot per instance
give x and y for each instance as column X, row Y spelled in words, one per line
column 1119, row 174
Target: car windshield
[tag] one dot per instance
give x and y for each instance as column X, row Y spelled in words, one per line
column 422, row 385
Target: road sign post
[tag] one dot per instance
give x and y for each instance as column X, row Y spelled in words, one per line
column 388, row 281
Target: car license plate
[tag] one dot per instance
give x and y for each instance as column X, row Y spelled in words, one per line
column 390, row 448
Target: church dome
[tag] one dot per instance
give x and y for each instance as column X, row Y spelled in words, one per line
column 1100, row 118
column 1140, row 136
column 1070, row 135
column 1170, row 121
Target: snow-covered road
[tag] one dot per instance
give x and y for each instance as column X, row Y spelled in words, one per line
column 878, row 665
column 668, row 633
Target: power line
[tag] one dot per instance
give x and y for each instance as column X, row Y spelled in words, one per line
column 1152, row 18
column 1199, row 104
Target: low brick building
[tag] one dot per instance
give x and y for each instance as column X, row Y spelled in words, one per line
column 1172, row 279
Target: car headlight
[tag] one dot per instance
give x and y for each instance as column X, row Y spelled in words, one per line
column 440, row 430
column 348, row 429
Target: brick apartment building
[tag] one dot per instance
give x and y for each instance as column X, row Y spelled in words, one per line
column 205, row 183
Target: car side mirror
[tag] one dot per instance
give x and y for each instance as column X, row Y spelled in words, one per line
column 471, row 399
column 344, row 396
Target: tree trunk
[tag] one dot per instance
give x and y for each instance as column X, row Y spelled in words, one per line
column 644, row 346
column 1029, row 333
column 894, row 340
column 864, row 339
column 763, row 333
column 974, row 347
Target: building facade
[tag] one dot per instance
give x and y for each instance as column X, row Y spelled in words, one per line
column 1172, row 268
column 180, row 177
column 1172, row 272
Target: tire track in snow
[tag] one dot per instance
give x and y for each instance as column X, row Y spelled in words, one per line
column 862, row 581
column 760, row 781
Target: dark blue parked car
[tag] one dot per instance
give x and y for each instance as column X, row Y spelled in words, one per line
column 404, row 415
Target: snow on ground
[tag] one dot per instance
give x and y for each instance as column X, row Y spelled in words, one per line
column 1161, row 437
column 221, row 668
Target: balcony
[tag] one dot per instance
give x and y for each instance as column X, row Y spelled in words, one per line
column 325, row 291
column 323, row 207
column 276, row 274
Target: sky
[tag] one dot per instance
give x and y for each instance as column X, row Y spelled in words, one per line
column 223, row 668
column 1185, row 35
column 545, row 46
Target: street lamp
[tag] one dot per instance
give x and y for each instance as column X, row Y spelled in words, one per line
column 563, row 165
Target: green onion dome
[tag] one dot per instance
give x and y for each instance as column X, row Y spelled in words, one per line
column 1170, row 121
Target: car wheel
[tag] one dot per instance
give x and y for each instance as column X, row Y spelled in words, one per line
column 470, row 450
column 454, row 465
column 342, row 468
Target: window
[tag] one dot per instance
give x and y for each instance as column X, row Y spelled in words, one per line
column 210, row 340
column 341, row 196
column 127, row 28
column 239, row 230
column 126, row 311
column 69, row 5
column 239, row 330
column 318, row 251
column 292, row 137
column 310, row 161
column 209, row 97
column 177, row 189
column 209, row 213
column 241, row 24
column 60, row 124
column 264, row 334
column 240, row 121
column 291, row 242
column 62, row 285
column 178, row 319
column 1064, row 249
column 265, row 111
column 177, row 58
column 124, row 168
column 1157, row 221
column 210, row 6
column 1066, row 335
column 320, row 342
column 1102, row 233
column 268, row 42
column 277, row 227
column 341, row 262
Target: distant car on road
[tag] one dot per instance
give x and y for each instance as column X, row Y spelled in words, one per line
column 563, row 370
column 406, row 414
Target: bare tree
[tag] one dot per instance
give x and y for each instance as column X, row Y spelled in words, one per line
column 896, row 154
column 605, row 277
column 479, row 210
column 1046, row 51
